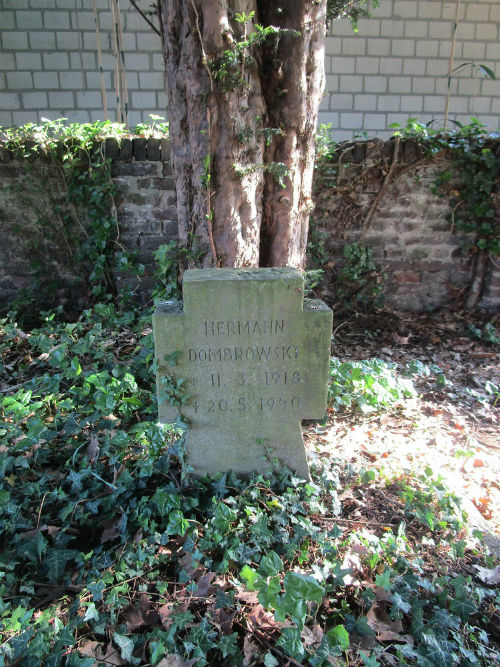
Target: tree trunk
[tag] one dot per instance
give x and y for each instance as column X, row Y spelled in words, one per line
column 244, row 81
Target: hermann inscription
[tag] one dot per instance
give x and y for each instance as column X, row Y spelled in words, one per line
column 253, row 355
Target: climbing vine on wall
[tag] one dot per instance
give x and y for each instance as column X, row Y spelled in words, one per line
column 80, row 220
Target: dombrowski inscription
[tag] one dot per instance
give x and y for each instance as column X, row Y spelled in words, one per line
column 253, row 356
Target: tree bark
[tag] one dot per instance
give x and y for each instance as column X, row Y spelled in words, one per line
column 242, row 119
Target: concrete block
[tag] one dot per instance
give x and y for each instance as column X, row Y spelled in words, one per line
column 493, row 52
column 367, row 65
column 375, row 121
column 378, row 47
column 477, row 11
column 416, row 29
column 151, row 81
column 427, row 48
column 19, row 80
column 15, row 40
column 55, row 61
column 473, row 50
column 331, row 84
column 375, row 84
column 65, row 40
column 440, row 30
column 45, row 80
column 137, row 61
column 93, row 80
column 466, row 31
column 5, row 117
column 402, row 47
column 333, row 45
column 491, row 88
column 391, row 66
column 495, row 12
column 86, row 61
column 82, row 20
column 414, row 66
column 389, row 103
column 26, row 60
column 423, row 85
column 141, row 99
column 70, row 80
column 350, row 83
column 351, row 121
column 365, row 102
column 468, row 86
column 413, row 103
column 37, row 100
column 343, row 65
column 56, row 20
column 342, row 101
column 9, row 101
column 392, row 28
column 429, row 10
column 354, row 46
column 89, row 99
column 43, row 40
column 25, row 20
column 399, row 85
column 61, row 100
column 7, row 61
column 147, row 41
column 436, row 67
column 405, row 8
column 20, row 118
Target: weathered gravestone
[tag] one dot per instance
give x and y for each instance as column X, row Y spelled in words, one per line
column 253, row 355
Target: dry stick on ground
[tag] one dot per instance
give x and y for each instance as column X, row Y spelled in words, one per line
column 383, row 188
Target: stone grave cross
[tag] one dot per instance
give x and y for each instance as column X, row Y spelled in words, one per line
column 248, row 357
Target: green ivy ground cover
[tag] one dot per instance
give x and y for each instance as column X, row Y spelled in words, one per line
column 111, row 554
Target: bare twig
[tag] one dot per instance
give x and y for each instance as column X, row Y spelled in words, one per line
column 99, row 61
column 450, row 64
column 144, row 16
column 382, row 190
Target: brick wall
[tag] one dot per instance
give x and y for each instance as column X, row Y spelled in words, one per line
column 423, row 259
column 31, row 234
column 394, row 68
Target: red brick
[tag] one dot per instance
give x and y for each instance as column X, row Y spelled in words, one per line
column 407, row 277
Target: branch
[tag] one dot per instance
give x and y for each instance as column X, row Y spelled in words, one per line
column 382, row 190
column 144, row 16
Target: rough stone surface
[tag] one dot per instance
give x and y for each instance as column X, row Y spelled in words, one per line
column 254, row 356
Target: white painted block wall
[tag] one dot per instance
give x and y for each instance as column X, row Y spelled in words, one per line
column 394, row 68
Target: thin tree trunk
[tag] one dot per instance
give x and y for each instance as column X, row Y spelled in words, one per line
column 230, row 133
column 478, row 275
column 294, row 81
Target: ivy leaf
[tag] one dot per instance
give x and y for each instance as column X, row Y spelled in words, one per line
column 250, row 577
column 463, row 608
column 270, row 660
column 91, row 613
column 271, row 564
column 338, row 636
column 436, row 650
column 55, row 563
column 177, row 524
column 126, row 646
column 399, row 605
column 291, row 643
